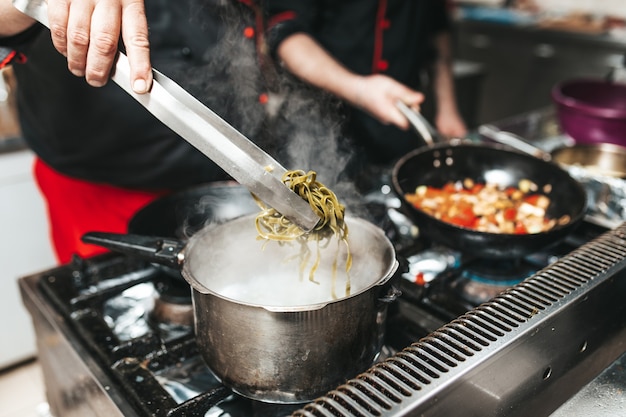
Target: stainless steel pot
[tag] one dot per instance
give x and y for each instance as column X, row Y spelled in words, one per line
column 265, row 330
column 605, row 159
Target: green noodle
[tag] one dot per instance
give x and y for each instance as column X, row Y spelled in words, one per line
column 271, row 225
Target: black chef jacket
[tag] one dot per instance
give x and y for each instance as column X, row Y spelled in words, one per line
column 108, row 136
column 392, row 37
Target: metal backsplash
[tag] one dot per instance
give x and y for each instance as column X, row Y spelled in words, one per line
column 523, row 353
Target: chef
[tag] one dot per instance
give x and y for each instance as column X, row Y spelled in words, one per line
column 100, row 155
column 371, row 53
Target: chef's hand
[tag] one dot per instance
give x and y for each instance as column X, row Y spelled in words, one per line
column 450, row 124
column 378, row 94
column 86, row 32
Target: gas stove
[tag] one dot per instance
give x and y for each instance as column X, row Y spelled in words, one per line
column 468, row 335
column 115, row 335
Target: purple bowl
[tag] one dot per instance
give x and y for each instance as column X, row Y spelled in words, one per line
column 592, row 111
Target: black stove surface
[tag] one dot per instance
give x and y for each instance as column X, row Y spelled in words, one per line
column 109, row 300
column 442, row 284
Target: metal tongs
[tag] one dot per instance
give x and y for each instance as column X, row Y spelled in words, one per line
column 209, row 133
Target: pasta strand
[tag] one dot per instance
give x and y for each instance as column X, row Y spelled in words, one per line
column 271, row 225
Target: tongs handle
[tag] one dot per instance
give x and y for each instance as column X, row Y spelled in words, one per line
column 209, row 133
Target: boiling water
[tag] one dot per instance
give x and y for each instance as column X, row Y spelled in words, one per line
column 231, row 261
column 284, row 290
column 277, row 276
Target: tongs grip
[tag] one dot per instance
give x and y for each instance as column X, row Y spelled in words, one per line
column 209, row 133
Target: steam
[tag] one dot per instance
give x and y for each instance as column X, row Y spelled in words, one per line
column 298, row 125
column 309, row 125
column 228, row 81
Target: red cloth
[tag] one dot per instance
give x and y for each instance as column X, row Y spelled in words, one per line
column 76, row 207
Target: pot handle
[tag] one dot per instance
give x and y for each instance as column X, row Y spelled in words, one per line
column 161, row 250
column 400, row 265
column 390, row 274
column 392, row 295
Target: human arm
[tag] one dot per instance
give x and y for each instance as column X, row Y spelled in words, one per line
column 447, row 117
column 375, row 94
column 12, row 21
column 86, row 32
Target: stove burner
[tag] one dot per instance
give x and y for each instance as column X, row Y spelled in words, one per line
column 142, row 310
column 426, row 265
column 172, row 303
column 172, row 287
column 483, row 279
column 260, row 409
column 169, row 313
column 116, row 311
column 190, row 380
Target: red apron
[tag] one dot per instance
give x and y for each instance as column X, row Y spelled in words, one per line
column 76, row 207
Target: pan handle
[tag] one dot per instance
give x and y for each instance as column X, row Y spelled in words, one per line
column 164, row 251
column 513, row 140
column 418, row 123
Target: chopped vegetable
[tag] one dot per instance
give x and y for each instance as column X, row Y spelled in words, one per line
column 487, row 207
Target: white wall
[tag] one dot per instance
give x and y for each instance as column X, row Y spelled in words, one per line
column 615, row 8
column 603, row 7
column 24, row 249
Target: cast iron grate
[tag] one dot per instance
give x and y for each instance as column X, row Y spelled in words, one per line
column 388, row 386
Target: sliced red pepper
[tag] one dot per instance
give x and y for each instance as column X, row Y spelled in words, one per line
column 520, row 229
column 449, row 188
column 463, row 221
column 510, row 213
column 510, row 190
column 432, row 192
column 467, row 210
column 532, row 199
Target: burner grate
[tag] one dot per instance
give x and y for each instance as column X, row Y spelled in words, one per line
column 548, row 307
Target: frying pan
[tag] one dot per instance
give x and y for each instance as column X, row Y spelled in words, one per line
column 181, row 214
column 441, row 163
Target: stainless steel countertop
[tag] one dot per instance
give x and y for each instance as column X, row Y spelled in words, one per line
column 604, row 396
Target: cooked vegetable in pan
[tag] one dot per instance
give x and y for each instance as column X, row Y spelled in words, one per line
column 271, row 225
column 488, row 207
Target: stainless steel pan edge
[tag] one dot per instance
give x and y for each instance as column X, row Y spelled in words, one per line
column 209, row 133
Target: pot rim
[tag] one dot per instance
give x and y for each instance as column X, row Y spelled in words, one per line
column 202, row 289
